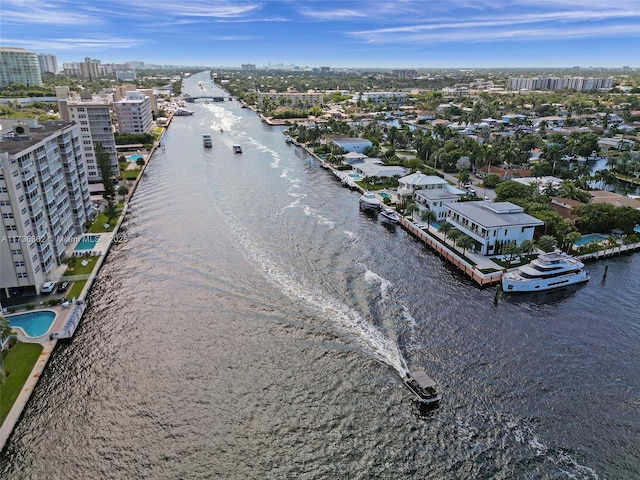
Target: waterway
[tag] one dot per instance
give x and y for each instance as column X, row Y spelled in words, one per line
column 256, row 325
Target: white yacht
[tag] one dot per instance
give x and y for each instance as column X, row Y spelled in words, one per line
column 369, row 200
column 423, row 386
column 237, row 149
column 550, row 270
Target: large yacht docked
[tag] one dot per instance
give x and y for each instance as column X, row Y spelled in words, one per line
column 550, row 270
column 368, row 200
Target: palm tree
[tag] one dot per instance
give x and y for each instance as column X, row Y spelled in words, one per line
column 5, row 331
column 429, row 216
column 527, row 247
column 571, row 238
column 445, row 228
column 546, row 242
column 510, row 249
column 454, row 235
column 110, row 210
column 465, row 242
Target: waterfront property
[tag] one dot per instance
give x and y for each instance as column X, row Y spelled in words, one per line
column 493, row 224
column 33, row 324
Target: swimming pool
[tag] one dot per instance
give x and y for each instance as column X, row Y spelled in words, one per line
column 87, row 242
column 590, row 238
column 356, row 176
column 385, row 195
column 33, row 324
column 133, row 158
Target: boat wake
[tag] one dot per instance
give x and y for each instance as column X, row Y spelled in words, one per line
column 367, row 336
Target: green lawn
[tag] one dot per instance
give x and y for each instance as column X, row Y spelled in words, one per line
column 18, row 363
column 79, row 269
column 98, row 225
column 130, row 174
column 75, row 290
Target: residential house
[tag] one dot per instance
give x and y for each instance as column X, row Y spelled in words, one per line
column 375, row 168
column 350, row 144
column 492, row 224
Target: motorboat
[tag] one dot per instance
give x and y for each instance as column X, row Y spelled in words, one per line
column 206, row 140
column 183, row 112
column 548, row 271
column 390, row 215
column 423, row 386
column 237, row 149
column 368, row 200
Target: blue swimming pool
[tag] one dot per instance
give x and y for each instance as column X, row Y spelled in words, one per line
column 590, row 238
column 33, row 324
column 356, row 176
column 87, row 242
column 133, row 158
column 385, row 195
column 636, row 228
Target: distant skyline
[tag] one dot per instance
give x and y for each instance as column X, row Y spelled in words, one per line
column 344, row 33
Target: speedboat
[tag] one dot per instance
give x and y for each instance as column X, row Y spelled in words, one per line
column 183, row 112
column 390, row 215
column 368, row 200
column 206, row 140
column 423, row 386
column 237, row 149
column 549, row 270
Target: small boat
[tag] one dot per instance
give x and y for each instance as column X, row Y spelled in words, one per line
column 237, row 149
column 221, row 130
column 423, row 386
column 206, row 140
column 550, row 270
column 183, row 112
column 368, row 200
column 390, row 215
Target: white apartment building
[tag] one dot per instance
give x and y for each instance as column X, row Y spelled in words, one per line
column 133, row 113
column 93, row 115
column 44, row 200
column 48, row 63
column 19, row 65
column 492, row 224
column 560, row 83
column 378, row 98
column 295, row 100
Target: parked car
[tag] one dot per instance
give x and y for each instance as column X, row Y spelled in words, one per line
column 62, row 286
column 48, row 287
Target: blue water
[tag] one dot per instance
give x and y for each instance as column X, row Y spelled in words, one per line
column 385, row 195
column 356, row 176
column 34, row 324
column 590, row 238
column 87, row 242
column 637, row 228
column 133, row 158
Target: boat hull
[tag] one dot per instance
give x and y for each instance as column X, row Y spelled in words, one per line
column 512, row 285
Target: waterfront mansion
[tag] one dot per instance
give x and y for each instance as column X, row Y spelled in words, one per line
column 492, row 224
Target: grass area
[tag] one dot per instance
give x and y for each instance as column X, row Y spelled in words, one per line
column 98, row 225
column 18, row 364
column 130, row 174
column 75, row 290
column 79, row 269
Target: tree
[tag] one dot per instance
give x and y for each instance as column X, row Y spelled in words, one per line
column 123, row 190
column 570, row 239
column 511, row 189
column 103, row 159
column 465, row 242
column 445, row 228
column 527, row 246
column 5, row 331
column 491, row 180
column 546, row 243
column 454, row 235
column 110, row 210
column 429, row 216
column 510, row 249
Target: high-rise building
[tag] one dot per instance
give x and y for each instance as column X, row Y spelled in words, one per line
column 19, row 65
column 94, row 118
column 133, row 113
column 48, row 63
column 44, row 200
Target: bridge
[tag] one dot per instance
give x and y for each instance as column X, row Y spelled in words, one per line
column 210, row 98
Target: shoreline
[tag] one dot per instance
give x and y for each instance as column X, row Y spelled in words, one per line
column 49, row 343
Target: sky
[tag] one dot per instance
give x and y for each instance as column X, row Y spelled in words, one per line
column 345, row 33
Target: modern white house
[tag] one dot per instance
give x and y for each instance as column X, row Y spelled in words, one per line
column 349, row 144
column 418, row 181
column 375, row 168
column 492, row 224
column 352, row 158
column 438, row 200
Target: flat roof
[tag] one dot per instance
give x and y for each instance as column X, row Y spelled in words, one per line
column 13, row 145
column 494, row 214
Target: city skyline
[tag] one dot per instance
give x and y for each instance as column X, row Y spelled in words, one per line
column 351, row 33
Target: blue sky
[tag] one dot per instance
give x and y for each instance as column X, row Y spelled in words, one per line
column 345, row 33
